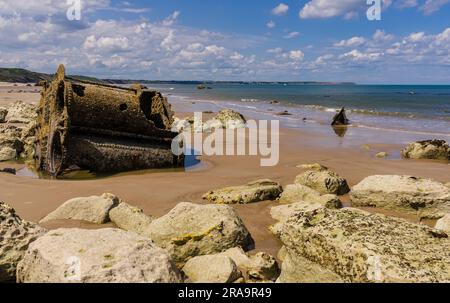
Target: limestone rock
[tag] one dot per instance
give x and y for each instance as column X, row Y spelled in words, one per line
column 21, row 112
column 294, row 193
column 256, row 191
column 444, row 224
column 260, row 267
column 324, row 181
column 363, row 247
column 212, row 125
column 231, row 119
column 296, row 269
column 3, row 114
column 211, row 269
column 130, row 218
column 382, row 155
column 191, row 230
column 15, row 236
column 426, row 198
column 313, row 166
column 7, row 154
column 180, row 125
column 430, row 149
column 93, row 209
column 95, row 256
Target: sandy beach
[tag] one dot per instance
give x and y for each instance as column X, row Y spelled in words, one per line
column 157, row 192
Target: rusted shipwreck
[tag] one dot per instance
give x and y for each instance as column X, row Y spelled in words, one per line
column 102, row 128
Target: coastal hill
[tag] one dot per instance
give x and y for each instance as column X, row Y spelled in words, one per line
column 19, row 75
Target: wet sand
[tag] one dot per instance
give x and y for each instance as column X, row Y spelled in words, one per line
column 158, row 192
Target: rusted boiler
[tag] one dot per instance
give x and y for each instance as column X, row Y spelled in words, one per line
column 102, row 128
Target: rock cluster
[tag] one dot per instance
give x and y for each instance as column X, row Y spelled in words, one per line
column 225, row 119
column 429, row 149
column 15, row 236
column 259, row 190
column 17, row 135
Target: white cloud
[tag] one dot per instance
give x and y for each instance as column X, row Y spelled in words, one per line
column 333, row 8
column 291, row 35
column 280, row 9
column 296, row 55
column 352, row 42
column 432, row 6
column 271, row 24
column 169, row 21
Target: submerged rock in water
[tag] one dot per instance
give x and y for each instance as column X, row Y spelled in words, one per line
column 130, row 218
column 15, row 236
column 363, row 247
column 444, row 223
column 231, row 119
column 324, row 181
column 191, row 230
column 298, row 193
column 96, row 256
column 426, row 198
column 256, row 191
column 211, row 269
column 430, row 149
column 93, row 209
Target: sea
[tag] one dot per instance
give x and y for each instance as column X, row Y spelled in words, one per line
column 421, row 109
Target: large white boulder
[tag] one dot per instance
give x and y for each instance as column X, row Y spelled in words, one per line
column 96, row 256
column 191, row 230
column 324, row 181
column 93, row 209
column 130, row 218
column 424, row 197
column 211, row 269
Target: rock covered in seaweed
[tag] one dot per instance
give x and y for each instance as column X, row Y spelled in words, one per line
column 259, row 190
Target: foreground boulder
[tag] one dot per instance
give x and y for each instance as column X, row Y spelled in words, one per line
column 211, row 269
column 430, row 149
column 191, row 230
column 93, row 209
column 426, row 198
column 295, row 193
column 363, row 247
column 130, row 218
column 256, row 191
column 7, row 154
column 15, row 236
column 324, row 181
column 21, row 112
column 444, row 223
column 95, row 256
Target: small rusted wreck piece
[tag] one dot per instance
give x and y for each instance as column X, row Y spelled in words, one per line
column 102, row 128
column 340, row 119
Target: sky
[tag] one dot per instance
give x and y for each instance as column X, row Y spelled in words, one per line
column 245, row 40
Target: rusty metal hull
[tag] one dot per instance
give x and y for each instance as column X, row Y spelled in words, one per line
column 102, row 128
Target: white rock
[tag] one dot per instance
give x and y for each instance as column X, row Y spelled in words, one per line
column 211, row 269
column 95, row 256
column 444, row 223
column 93, row 209
column 130, row 218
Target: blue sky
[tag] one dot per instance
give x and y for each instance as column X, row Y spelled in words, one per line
column 321, row 40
